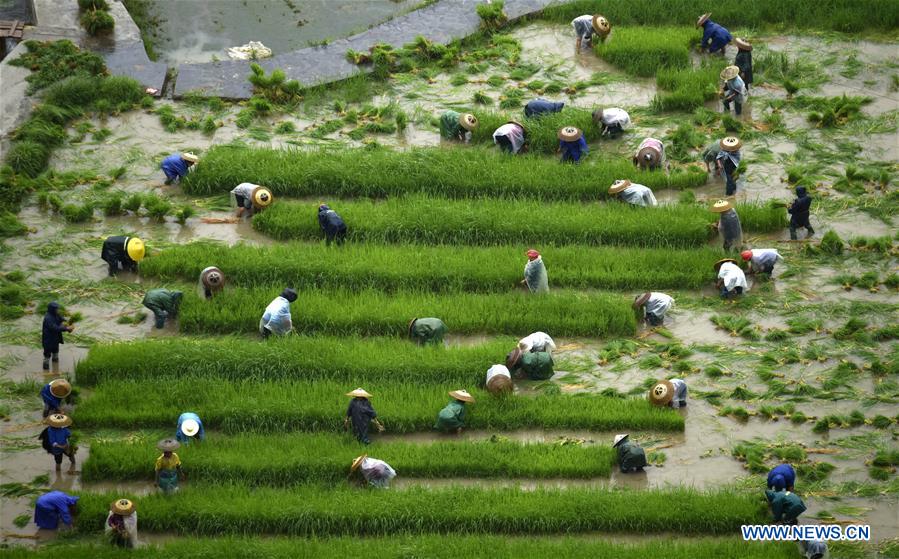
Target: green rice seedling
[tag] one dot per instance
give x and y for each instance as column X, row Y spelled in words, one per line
column 121, row 91
column 423, row 220
column 481, row 98
column 28, row 158
column 680, row 143
column 492, row 15
column 542, row 132
column 435, row 268
column 738, row 413
column 856, row 418
column 10, row 226
column 459, row 80
column 370, row 312
column 831, row 243
column 101, row 134
column 78, row 213
column 402, row 120
column 453, row 173
column 642, row 51
column 157, row 207
column 881, row 422
column 320, row 405
column 209, row 126
column 737, row 326
column 97, row 22
column 323, row 458
column 481, row 547
column 41, row 131
column 686, row 89
column 136, row 318
column 351, row 361
column 803, row 325
column 798, row 417
column 852, row 326
column 133, row 202
column 184, row 213
column 326, row 128
column 147, row 102
column 742, row 393
column 53, row 61
column 274, row 87
column 828, row 112
column 814, row 471
column 244, row 119
column 776, row 335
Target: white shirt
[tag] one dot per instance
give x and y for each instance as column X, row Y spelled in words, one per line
column 277, row 316
column 498, row 370
column 515, row 134
column 638, row 195
column 244, row 189
column 764, row 256
column 539, row 341
column 374, row 469
column 130, row 522
column 659, row 304
column 732, row 276
column 680, row 392
column 616, row 116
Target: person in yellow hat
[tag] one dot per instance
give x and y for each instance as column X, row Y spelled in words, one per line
column 728, row 224
column 586, row 26
column 457, row 126
column 177, row 165
column 251, row 198
column 733, row 89
column 53, row 393
column 168, row 466
column 121, row 523
column 371, row 471
column 452, row 417
column 55, row 439
column 361, row 413
column 165, row 304
column 120, row 252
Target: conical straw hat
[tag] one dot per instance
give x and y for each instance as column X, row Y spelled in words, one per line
column 357, row 462
column 722, row 261
column 703, row 18
column 601, row 25
column 59, row 420
column 468, row 121
column 619, row 185
column 262, row 197
column 619, row 438
column 661, row 393
column 359, row 393
column 190, row 427
column 60, row 387
column 742, row 44
column 721, row 206
column 730, row 143
column 123, row 507
column 570, row 134
column 729, row 73
column 168, row 445
column 462, row 395
column 641, row 300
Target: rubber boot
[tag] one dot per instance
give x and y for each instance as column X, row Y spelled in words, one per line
column 46, row 364
column 811, row 232
column 793, row 236
column 160, row 319
column 56, row 357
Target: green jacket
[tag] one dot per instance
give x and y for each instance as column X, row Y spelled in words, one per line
column 163, row 300
column 631, row 455
column 785, row 505
column 450, row 129
column 451, row 417
column 428, row 331
column 537, row 365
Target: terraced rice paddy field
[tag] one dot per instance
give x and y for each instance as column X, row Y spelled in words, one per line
column 804, row 368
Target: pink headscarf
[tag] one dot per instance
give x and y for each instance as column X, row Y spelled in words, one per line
column 533, row 254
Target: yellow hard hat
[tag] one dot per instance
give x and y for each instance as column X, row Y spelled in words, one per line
column 262, row 197
column 135, row 249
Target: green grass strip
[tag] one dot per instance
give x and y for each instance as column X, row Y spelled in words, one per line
column 346, row 360
column 642, row 51
column 531, row 223
column 311, row 511
column 434, row 268
column 452, row 172
column 394, row 546
column 375, row 313
column 320, row 405
column 300, row 457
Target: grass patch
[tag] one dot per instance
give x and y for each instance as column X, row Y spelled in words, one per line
column 686, row 89
column 642, row 51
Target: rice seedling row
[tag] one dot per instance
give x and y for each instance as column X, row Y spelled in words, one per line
column 348, row 360
column 434, row 268
column 299, row 457
column 320, row 405
column 390, row 547
column 642, row 51
column 464, row 172
column 490, row 222
column 374, row 313
column 308, row 511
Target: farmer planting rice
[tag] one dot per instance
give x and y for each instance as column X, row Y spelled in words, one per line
column 55, row 440
column 728, row 223
column 728, row 159
column 781, row 477
column 427, row 331
column 631, row 457
column 372, row 472
column 586, row 26
column 457, row 127
column 499, row 380
column 51, row 335
column 361, row 413
column 189, row 427
column 168, row 466
column 535, row 276
column 538, row 341
column 671, row 393
column 121, row 523
column 452, row 417
column 510, row 137
column 331, row 224
column 800, row 212
column 650, row 154
column 251, row 198
column 743, row 61
column 654, row 306
column 572, row 144
column 120, row 252
column 54, row 507
column 53, row 393
column 177, row 165
column 786, row 507
column 535, row 365
column 813, row 549
column 710, row 157
column 761, row 260
column 276, row 318
column 633, row 193
column 714, row 37
column 212, row 281
column 540, row 107
column 163, row 303
column 731, row 280
column 612, row 121
column 733, row 90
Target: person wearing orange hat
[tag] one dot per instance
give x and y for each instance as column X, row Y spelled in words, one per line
column 371, row 471
column 715, row 38
column 731, row 279
column 654, row 306
column 586, row 26
column 53, row 393
column 452, row 417
column 361, row 413
column 761, row 260
column 535, row 273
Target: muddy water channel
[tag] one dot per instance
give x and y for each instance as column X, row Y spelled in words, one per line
column 738, row 378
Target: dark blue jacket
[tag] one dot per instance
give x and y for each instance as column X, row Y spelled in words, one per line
column 49, row 398
column 330, row 221
column 743, row 61
column 539, row 107
column 174, row 167
column 53, row 327
column 799, row 210
column 715, row 37
column 781, row 477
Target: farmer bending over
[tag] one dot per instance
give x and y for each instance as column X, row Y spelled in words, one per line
column 714, row 37
column 539, row 107
column 510, row 137
column 251, row 198
column 786, row 506
column 538, row 341
column 452, row 417
column 177, row 165
column 212, row 280
column 427, row 331
column 650, row 155
column 276, row 318
column 761, row 260
column 53, row 393
column 499, row 380
column 799, row 212
column 53, row 507
column 671, row 393
column 457, row 127
column 612, row 122
column 782, row 477
column 572, row 144
column 535, row 365
column 731, row 280
column 331, row 224
column 586, row 26
column 371, row 471
column 122, row 252
column 631, row 457
column 189, row 427
column 654, row 305
column 633, row 193
column 164, row 304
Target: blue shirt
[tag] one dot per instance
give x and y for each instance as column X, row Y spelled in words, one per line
column 173, row 166
column 574, row 150
column 52, row 401
column 52, row 507
column 715, row 37
column 784, row 470
column 58, row 435
column 539, row 107
column 181, row 437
